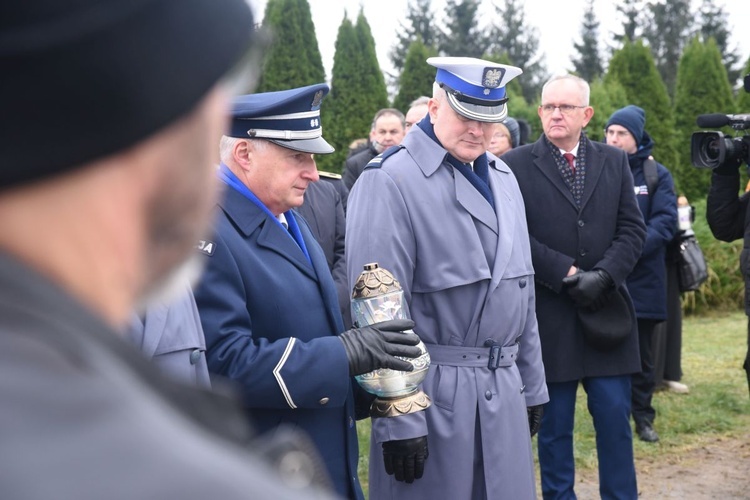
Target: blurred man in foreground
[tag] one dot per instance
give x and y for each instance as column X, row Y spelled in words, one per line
column 106, row 185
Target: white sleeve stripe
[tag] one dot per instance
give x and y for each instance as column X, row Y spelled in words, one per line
column 277, row 373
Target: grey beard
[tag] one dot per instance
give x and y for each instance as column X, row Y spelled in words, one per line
column 180, row 279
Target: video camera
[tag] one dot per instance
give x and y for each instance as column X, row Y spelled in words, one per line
column 710, row 149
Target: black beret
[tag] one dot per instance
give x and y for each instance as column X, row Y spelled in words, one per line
column 82, row 79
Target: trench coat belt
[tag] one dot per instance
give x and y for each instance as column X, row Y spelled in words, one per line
column 487, row 357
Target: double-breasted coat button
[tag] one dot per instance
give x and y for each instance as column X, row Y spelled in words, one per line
column 522, row 283
column 581, row 223
column 195, row 356
column 488, row 395
column 582, row 253
column 323, row 401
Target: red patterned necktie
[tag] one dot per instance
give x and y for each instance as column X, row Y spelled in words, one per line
column 570, row 159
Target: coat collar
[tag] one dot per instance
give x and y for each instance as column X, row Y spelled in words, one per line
column 248, row 219
column 594, row 165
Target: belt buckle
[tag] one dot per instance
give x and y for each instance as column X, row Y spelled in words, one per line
column 494, row 360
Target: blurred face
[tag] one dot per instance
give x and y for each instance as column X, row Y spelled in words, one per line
column 388, row 131
column 563, row 113
column 500, row 141
column 279, row 176
column 415, row 115
column 619, row 137
column 463, row 138
column 179, row 211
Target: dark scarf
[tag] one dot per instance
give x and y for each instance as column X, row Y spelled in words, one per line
column 574, row 182
column 479, row 177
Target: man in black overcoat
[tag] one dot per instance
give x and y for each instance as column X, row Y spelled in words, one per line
column 586, row 235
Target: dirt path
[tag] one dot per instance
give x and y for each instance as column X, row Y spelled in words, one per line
column 714, row 469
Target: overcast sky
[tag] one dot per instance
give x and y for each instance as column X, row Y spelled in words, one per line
column 558, row 24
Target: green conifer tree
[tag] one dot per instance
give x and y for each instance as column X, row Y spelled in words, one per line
column 588, row 65
column 357, row 91
column 462, row 35
column 605, row 98
column 419, row 25
column 631, row 12
column 667, row 30
column 743, row 96
column 633, row 67
column 417, row 76
column 714, row 23
column 511, row 35
column 702, row 87
column 293, row 59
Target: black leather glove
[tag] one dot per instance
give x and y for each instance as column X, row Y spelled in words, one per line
column 405, row 458
column 589, row 288
column 376, row 346
column 535, row 418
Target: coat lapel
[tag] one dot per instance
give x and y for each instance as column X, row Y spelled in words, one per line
column 594, row 167
column 506, row 217
column 323, row 276
column 474, row 203
column 248, row 218
column 153, row 327
column 544, row 161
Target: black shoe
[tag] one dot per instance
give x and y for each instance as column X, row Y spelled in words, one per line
column 647, row 433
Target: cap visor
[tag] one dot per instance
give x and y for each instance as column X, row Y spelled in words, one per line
column 317, row 146
column 491, row 114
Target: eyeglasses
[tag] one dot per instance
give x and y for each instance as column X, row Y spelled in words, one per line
column 565, row 109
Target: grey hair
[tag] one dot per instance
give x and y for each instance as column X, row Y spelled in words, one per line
column 419, row 101
column 226, row 146
column 583, row 86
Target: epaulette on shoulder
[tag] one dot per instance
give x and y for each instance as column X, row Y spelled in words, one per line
column 377, row 162
column 329, row 175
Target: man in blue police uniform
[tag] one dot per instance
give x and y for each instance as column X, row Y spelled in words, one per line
column 268, row 303
column 586, row 236
column 447, row 219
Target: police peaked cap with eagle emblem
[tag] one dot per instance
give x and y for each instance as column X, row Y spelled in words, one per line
column 289, row 118
column 475, row 87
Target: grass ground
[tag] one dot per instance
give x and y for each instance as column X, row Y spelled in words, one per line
column 717, row 407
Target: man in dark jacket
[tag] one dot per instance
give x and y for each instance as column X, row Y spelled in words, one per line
column 728, row 217
column 586, row 235
column 647, row 283
column 323, row 209
column 387, row 130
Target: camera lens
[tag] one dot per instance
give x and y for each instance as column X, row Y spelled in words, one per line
column 712, row 148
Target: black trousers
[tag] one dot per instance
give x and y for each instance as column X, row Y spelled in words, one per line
column 643, row 383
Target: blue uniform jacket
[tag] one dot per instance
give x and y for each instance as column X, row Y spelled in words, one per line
column 270, row 319
column 647, row 283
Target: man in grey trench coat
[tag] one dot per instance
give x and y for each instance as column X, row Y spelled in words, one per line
column 447, row 219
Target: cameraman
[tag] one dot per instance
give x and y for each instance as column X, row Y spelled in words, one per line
column 728, row 218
